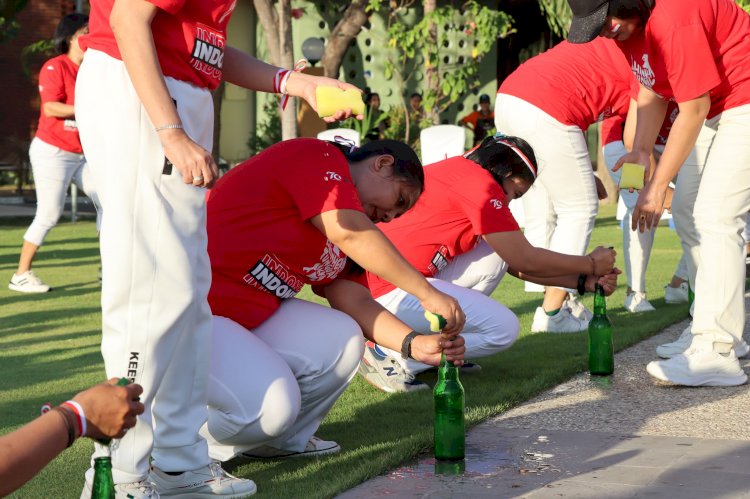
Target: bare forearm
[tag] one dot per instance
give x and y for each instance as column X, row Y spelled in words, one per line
column 650, row 116
column 248, row 72
column 563, row 281
column 58, row 110
column 521, row 256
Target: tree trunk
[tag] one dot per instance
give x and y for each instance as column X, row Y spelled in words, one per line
column 346, row 30
column 269, row 19
column 431, row 75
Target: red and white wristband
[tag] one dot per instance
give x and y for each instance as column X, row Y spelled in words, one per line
column 281, row 78
column 79, row 413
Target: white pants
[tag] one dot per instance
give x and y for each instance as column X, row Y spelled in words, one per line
column 470, row 278
column 156, row 323
column 54, row 169
column 720, row 210
column 561, row 206
column 275, row 384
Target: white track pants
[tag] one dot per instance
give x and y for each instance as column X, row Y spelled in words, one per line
column 470, row 278
column 275, row 384
column 54, row 170
column 721, row 206
column 156, row 274
column 561, row 206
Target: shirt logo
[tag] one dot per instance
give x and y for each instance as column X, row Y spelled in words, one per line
column 496, row 203
column 272, row 276
column 439, row 260
column 331, row 263
column 644, row 74
column 332, row 176
column 208, row 51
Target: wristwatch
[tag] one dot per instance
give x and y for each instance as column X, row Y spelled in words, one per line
column 406, row 344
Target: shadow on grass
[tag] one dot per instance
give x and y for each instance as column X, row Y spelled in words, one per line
column 60, row 292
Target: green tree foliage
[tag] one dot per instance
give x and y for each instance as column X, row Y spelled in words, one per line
column 9, row 26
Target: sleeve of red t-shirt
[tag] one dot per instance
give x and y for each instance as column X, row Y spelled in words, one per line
column 321, row 181
column 171, row 6
column 483, row 201
column 690, row 63
column 470, row 118
column 51, row 82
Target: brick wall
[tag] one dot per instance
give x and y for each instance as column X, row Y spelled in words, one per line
column 20, row 108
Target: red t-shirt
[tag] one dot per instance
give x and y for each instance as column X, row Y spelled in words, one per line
column 575, row 84
column 263, row 248
column 612, row 128
column 190, row 36
column 57, row 83
column 690, row 48
column 460, row 203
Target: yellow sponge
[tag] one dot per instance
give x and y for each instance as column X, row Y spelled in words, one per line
column 332, row 99
column 437, row 322
column 632, row 176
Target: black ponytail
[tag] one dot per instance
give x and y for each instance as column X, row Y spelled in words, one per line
column 68, row 27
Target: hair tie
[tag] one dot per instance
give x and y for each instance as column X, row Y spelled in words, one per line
column 345, row 142
column 519, row 153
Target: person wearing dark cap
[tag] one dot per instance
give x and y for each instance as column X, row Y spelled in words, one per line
column 697, row 54
column 481, row 121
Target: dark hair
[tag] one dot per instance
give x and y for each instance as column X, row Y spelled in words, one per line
column 628, row 9
column 415, row 94
column 497, row 155
column 67, row 28
column 369, row 96
column 406, row 164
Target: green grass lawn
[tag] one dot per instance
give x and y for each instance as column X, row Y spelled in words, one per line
column 49, row 350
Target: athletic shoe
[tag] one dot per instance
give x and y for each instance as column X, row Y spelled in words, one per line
column 636, row 302
column 699, row 367
column 384, row 372
column 136, row 490
column 561, row 322
column 315, row 447
column 577, row 308
column 669, row 350
column 676, row 295
column 209, row 481
column 27, row 282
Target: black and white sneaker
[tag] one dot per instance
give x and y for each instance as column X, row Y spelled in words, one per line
column 27, row 282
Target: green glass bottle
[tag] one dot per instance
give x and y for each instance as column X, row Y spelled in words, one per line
column 601, row 348
column 449, row 413
column 104, row 485
column 691, row 295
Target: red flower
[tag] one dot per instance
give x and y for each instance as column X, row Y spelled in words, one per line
column 297, row 13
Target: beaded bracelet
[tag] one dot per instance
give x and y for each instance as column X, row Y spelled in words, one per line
column 168, row 127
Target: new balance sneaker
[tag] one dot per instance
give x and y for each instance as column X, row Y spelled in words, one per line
column 315, row 447
column 669, row 350
column 209, row 481
column 699, row 365
column 562, row 322
column 27, row 282
column 676, row 295
column 384, row 372
column 577, row 308
column 136, row 490
column 636, row 302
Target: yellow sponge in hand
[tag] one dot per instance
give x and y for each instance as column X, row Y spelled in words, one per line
column 437, row 322
column 632, row 176
column 332, row 99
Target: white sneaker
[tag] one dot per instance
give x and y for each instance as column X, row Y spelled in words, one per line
column 669, row 350
column 384, row 372
column 636, row 302
column 577, row 308
column 27, row 282
column 562, row 322
column 676, row 295
column 137, row 490
column 209, row 481
column 315, row 447
column 699, row 365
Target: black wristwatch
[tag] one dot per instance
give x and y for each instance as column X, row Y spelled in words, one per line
column 581, row 284
column 406, row 344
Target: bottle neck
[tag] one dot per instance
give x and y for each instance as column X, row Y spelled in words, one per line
column 447, row 370
column 600, row 302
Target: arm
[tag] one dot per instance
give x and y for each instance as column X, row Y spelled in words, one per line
column 608, row 282
column 131, row 23
column 384, row 328
column 514, row 248
column 54, row 109
column 23, row 453
column 358, row 237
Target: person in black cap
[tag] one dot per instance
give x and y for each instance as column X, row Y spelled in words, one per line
column 696, row 54
column 481, row 121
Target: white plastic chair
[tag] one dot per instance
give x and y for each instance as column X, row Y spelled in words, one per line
column 442, row 141
column 346, row 133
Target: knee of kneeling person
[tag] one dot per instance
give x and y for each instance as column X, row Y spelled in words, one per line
column 505, row 333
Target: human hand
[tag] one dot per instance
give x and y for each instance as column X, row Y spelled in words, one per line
column 428, row 348
column 304, row 85
column 640, row 158
column 608, row 282
column 196, row 164
column 110, row 410
column 601, row 191
column 446, row 306
column 649, row 207
column 604, row 260
column 668, row 199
